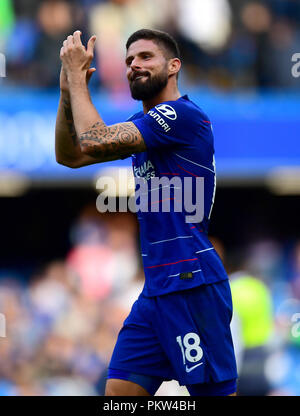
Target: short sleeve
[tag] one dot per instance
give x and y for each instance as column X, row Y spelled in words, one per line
column 170, row 124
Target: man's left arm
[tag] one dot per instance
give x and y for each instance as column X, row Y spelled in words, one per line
column 95, row 137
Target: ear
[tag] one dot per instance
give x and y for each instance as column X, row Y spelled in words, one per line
column 174, row 66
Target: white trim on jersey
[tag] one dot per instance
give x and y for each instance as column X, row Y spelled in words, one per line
column 191, row 161
column 201, row 251
column 215, row 187
column 171, row 239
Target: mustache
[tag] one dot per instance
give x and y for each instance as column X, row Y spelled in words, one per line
column 138, row 74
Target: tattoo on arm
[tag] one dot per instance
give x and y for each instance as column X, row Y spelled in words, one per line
column 70, row 122
column 107, row 142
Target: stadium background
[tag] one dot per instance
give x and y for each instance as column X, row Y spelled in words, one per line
column 68, row 275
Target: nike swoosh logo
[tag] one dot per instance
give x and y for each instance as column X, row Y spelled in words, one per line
column 192, row 368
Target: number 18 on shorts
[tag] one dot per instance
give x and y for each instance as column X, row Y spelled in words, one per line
column 191, row 351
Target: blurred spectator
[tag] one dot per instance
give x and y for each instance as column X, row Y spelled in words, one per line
column 113, row 22
column 252, row 304
column 208, row 23
column 283, row 42
column 33, row 47
column 104, row 256
column 56, row 20
column 252, row 323
column 248, row 43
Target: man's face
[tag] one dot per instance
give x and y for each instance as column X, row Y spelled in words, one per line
column 147, row 69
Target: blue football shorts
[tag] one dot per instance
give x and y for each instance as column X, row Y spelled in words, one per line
column 183, row 336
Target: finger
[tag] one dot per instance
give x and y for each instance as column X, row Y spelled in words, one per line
column 70, row 40
column 63, row 49
column 77, row 38
column 90, row 45
column 90, row 73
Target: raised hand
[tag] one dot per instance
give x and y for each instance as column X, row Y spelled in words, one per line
column 76, row 59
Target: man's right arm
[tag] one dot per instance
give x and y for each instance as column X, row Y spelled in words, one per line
column 67, row 148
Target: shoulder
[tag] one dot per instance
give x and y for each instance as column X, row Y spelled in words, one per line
column 179, row 122
column 193, row 109
column 135, row 116
column 182, row 110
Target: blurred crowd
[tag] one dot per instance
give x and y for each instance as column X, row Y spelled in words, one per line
column 225, row 44
column 61, row 324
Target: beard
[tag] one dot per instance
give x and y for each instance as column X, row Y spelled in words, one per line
column 146, row 90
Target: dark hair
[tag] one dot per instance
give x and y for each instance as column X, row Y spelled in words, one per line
column 160, row 38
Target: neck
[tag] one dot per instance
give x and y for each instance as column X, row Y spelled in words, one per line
column 169, row 93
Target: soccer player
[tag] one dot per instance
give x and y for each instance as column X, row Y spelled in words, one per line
column 179, row 328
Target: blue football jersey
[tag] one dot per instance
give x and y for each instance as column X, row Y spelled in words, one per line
column 178, row 171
